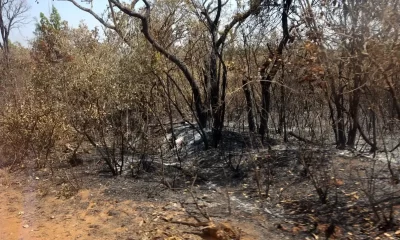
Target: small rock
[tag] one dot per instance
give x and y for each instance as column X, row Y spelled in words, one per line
column 25, row 226
column 52, row 217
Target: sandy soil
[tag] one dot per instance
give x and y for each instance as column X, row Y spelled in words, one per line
column 37, row 204
column 90, row 214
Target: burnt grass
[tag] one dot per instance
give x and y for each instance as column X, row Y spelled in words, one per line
column 271, row 186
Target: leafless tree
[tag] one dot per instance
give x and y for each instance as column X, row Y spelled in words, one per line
column 274, row 60
column 209, row 13
column 13, row 13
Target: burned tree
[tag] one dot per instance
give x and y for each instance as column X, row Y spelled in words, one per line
column 210, row 14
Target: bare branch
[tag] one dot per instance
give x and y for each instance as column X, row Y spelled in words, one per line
column 12, row 15
column 158, row 47
column 239, row 18
column 98, row 18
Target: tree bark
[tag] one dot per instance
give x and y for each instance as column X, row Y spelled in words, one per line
column 218, row 38
column 265, row 103
column 249, row 105
column 338, row 122
column 275, row 60
column 395, row 101
column 354, row 106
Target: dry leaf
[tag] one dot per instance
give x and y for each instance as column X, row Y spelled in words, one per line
column 388, row 235
column 338, row 182
column 295, row 230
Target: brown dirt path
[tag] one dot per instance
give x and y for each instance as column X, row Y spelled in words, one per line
column 25, row 215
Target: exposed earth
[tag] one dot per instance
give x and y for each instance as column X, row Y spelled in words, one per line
column 95, row 212
column 86, row 202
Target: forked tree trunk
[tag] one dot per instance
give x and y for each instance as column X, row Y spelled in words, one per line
column 218, row 38
column 214, row 95
column 275, row 60
column 217, row 93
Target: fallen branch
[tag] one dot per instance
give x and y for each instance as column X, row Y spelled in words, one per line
column 301, row 138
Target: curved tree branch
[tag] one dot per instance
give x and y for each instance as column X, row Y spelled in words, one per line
column 146, row 32
column 239, row 18
column 98, row 18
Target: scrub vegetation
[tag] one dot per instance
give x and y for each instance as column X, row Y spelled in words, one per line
column 200, row 119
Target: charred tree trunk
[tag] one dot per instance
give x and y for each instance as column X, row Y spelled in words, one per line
column 281, row 120
column 395, row 101
column 374, row 147
column 199, row 108
column 341, row 131
column 282, row 109
column 338, row 99
column 354, row 103
column 338, row 122
column 329, row 100
column 265, row 102
column 214, row 94
column 268, row 76
column 211, row 17
column 249, row 105
column 219, row 115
